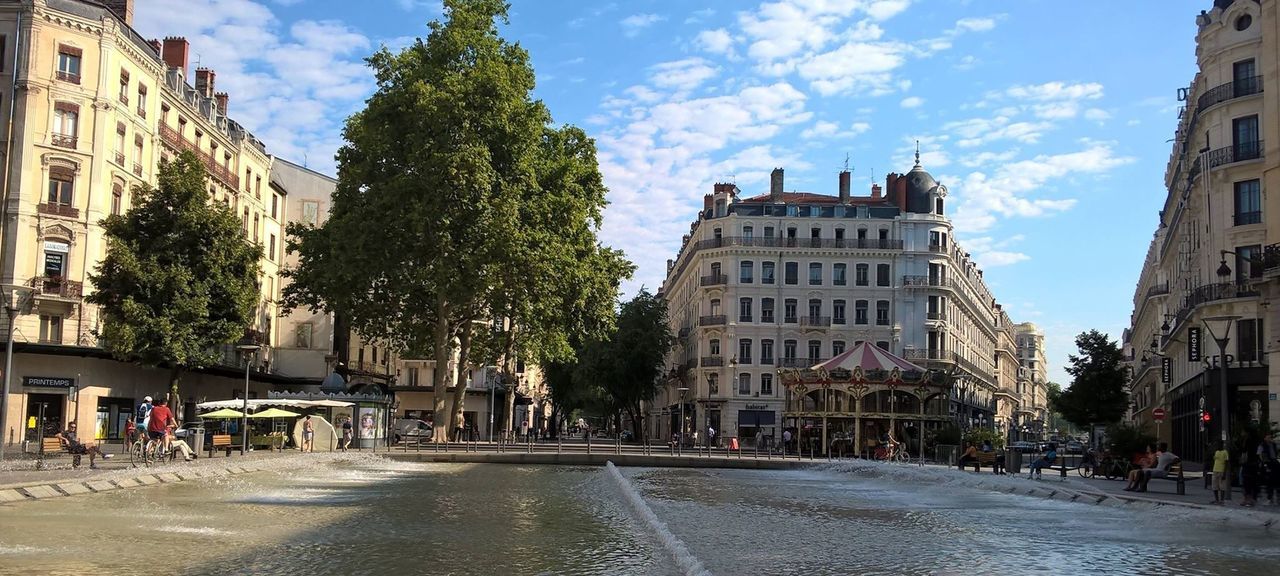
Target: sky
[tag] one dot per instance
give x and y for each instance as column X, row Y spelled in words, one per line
column 1048, row 121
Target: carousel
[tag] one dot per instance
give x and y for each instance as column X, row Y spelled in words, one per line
column 863, row 398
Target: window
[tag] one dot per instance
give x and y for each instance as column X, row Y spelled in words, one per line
column 142, row 100
column 50, row 329
column 713, row 347
column 766, row 352
column 883, row 345
column 137, row 155
column 69, row 64
column 310, row 212
column 256, row 219
column 120, row 140
column 748, row 232
column 839, row 233
column 766, row 272
column 837, row 312
column 55, row 259
column 745, row 272
column 715, row 306
column 61, row 186
column 1245, row 138
column 768, row 231
column 789, row 349
column 884, row 234
column 815, row 308
column 744, row 310
column 244, row 222
column 882, row 275
column 744, row 384
column 413, row 375
column 4, row 45
column 302, row 335
column 837, row 348
column 744, row 351
column 789, row 310
column 766, row 384
column 862, row 233
column 937, row 206
column 257, row 187
column 1243, row 22
column 275, row 206
column 838, row 273
column 65, row 120
column 815, row 233
column 271, row 248
column 1251, row 346
column 248, row 179
column 860, row 312
column 766, row 310
column 1245, row 267
column 1248, row 202
column 124, row 87
column 815, row 274
column 815, row 349
column 117, row 198
column 882, row 312
column 792, row 273
column 861, row 274
column 791, row 232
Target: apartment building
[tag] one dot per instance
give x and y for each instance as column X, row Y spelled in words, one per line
column 789, row 279
column 90, row 110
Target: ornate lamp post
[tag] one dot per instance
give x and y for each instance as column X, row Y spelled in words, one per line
column 680, row 441
column 244, row 418
column 1222, row 335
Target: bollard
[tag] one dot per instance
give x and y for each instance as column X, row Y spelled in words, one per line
column 588, row 442
column 557, row 443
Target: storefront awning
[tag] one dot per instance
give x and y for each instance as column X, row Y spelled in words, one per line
column 756, row 418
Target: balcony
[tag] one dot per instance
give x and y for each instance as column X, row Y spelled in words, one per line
column 68, row 77
column 119, row 158
column 929, row 354
column 938, row 248
column 938, row 316
column 64, row 210
column 1246, row 218
column 715, row 280
column 57, row 287
column 124, row 99
column 176, row 141
column 1238, row 152
column 744, row 318
column 684, row 333
column 712, row 361
column 839, row 320
column 766, row 318
column 1230, row 90
column 142, row 112
column 1271, row 259
column 923, row 281
column 815, row 321
column 1158, row 290
column 767, row 361
column 790, row 320
column 793, row 363
column 137, row 169
column 713, row 320
column 63, row 141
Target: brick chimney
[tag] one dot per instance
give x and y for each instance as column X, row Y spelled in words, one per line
column 775, row 185
column 176, row 52
column 123, row 9
column 156, row 45
column 204, row 82
column 221, row 98
column 875, row 190
column 844, row 186
column 725, row 187
column 707, row 201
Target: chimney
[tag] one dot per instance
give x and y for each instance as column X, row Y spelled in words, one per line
column 123, row 9
column 176, row 51
column 725, row 187
column 222, row 98
column 775, row 185
column 844, row 186
column 875, row 190
column 156, row 45
column 204, row 82
column 707, row 201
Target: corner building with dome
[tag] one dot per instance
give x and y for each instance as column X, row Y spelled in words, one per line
column 767, row 286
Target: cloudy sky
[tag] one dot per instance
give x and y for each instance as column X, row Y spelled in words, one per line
column 1048, row 120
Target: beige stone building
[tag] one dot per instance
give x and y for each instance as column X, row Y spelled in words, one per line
column 1205, row 271
column 90, row 110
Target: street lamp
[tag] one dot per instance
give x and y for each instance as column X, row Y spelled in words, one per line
column 11, row 309
column 1223, row 325
column 244, row 418
column 680, row 441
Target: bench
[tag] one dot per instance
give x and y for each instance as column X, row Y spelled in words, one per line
column 222, row 442
column 51, row 447
column 1176, row 475
column 984, row 459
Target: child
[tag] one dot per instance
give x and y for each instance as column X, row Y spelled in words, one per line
column 1221, row 480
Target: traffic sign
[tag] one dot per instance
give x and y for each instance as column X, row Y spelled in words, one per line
column 1158, row 414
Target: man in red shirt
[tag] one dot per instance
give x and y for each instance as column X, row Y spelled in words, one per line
column 161, row 420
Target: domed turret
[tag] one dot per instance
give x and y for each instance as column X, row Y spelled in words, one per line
column 920, row 187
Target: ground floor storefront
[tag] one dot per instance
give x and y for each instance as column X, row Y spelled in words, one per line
column 1194, row 436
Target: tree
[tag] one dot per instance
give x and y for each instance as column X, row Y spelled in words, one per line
column 1098, row 393
column 179, row 278
column 483, row 212
column 628, row 365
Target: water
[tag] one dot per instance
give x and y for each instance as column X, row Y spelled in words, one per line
column 369, row 515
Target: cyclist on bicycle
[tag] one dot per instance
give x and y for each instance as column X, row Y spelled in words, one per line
column 141, row 416
column 159, row 422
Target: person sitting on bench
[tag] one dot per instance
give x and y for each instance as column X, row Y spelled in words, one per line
column 988, row 448
column 970, row 455
column 1050, row 457
column 68, row 438
column 1164, row 461
column 1143, row 461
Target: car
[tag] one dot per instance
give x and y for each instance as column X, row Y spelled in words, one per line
column 187, row 429
column 410, row 428
column 1073, row 447
column 1023, row 446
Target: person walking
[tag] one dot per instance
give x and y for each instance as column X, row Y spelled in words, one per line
column 786, row 440
column 1269, row 467
column 346, row 433
column 308, row 434
column 711, row 436
column 759, row 439
column 1221, row 482
column 1250, row 472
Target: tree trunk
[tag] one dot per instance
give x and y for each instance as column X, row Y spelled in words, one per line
column 175, row 399
column 509, row 373
column 637, row 427
column 460, row 385
column 440, row 376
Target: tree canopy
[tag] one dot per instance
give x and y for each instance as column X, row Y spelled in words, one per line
column 179, row 277
column 1098, row 393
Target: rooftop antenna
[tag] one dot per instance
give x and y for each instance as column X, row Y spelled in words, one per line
column 846, row 161
column 304, row 159
column 917, row 153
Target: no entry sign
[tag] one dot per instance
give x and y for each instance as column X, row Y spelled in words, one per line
column 1158, row 414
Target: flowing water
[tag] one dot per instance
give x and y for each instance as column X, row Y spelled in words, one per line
column 376, row 516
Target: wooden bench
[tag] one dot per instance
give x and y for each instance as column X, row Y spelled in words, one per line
column 984, row 459
column 1176, row 474
column 51, row 447
column 222, row 442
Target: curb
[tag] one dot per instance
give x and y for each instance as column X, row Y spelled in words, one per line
column 52, row 489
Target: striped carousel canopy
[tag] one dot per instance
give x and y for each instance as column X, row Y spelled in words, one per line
column 869, row 357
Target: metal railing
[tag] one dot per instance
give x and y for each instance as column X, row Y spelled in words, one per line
column 775, row 242
column 715, row 280
column 1158, row 290
column 65, row 210
column 68, row 77
column 712, row 361
column 1234, row 89
column 175, row 140
column 936, row 315
column 1244, row 218
column 119, row 158
column 1238, row 152
column 713, row 320
column 815, row 321
column 57, row 286
column 63, row 141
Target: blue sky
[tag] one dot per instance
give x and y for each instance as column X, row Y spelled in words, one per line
column 1049, row 121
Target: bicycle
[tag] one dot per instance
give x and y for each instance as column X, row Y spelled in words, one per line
column 145, row 451
column 1088, row 465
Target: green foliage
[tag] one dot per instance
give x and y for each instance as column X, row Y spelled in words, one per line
column 977, row 436
column 1098, row 392
column 179, row 277
column 628, row 364
column 1126, row 439
column 949, row 435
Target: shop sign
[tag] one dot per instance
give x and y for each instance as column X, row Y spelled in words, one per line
column 48, row 382
column 757, row 407
column 1166, row 370
column 50, row 246
column 1193, row 344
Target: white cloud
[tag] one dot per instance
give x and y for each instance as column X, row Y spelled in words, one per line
column 967, row 62
column 700, row 15
column 1054, row 91
column 973, row 25
column 635, row 23
column 434, row 6
column 827, row 129
column 717, row 41
column 1097, row 115
column 990, row 253
column 912, row 102
column 683, row 75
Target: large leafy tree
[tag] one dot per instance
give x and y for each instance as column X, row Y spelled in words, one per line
column 179, row 277
column 627, row 365
column 457, row 204
column 1098, row 393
